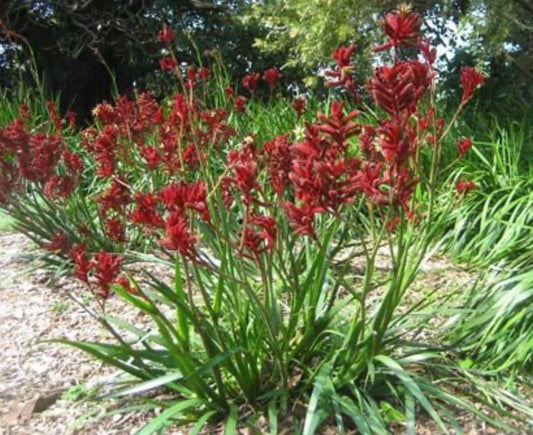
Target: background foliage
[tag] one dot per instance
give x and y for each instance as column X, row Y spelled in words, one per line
column 83, row 49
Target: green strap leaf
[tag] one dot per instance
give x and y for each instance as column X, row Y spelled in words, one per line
column 171, row 413
column 233, row 419
column 148, row 385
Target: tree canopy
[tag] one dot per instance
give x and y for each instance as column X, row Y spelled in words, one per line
column 77, row 44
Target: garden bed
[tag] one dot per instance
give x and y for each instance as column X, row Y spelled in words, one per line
column 35, row 374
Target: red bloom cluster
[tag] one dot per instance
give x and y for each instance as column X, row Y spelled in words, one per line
column 465, row 186
column 60, row 243
column 319, row 169
column 463, row 146
column 178, row 138
column 166, row 35
column 116, row 198
column 471, row 79
column 298, row 104
column 279, row 162
column 174, row 201
column 272, row 76
column 106, row 270
column 39, row 157
column 100, row 271
column 400, row 87
column 186, row 153
column 261, row 235
column 250, row 81
column 343, row 75
column 240, row 104
column 322, row 171
column 115, row 230
column 402, row 28
column 244, row 166
column 167, row 63
column 146, row 212
column 181, row 196
column 178, row 237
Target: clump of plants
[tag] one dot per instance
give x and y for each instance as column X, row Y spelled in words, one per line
column 265, row 315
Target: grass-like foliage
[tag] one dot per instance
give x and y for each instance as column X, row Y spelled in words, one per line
column 493, row 229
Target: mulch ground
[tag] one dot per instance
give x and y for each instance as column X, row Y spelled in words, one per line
column 43, row 385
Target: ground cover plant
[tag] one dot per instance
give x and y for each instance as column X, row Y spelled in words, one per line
column 261, row 224
column 492, row 230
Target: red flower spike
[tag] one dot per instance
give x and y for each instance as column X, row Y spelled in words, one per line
column 82, row 265
column 177, row 235
column 252, row 241
column 397, row 88
column 52, row 112
column 343, row 75
column 402, row 28
column 158, row 117
column 191, row 157
column 240, row 104
column 272, row 76
column 465, row 186
column 471, row 79
column 167, row 63
column 106, row 270
column 106, row 114
column 439, row 124
column 370, row 180
column 146, row 212
column 279, row 162
column 126, row 284
column 115, row 230
column 298, row 104
column 269, row 229
column 260, row 241
column 425, row 121
column 191, row 77
column 203, row 74
column 71, row 116
column 245, row 178
column 166, row 35
column 116, row 197
column 60, row 243
column 227, row 195
column 104, row 148
column 396, row 142
column 343, row 54
column 73, row 162
column 301, row 218
column 181, row 196
column 428, row 52
column 367, row 142
column 38, row 157
column 337, row 125
column 250, row 81
column 463, row 146
column 151, row 156
column 59, row 186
